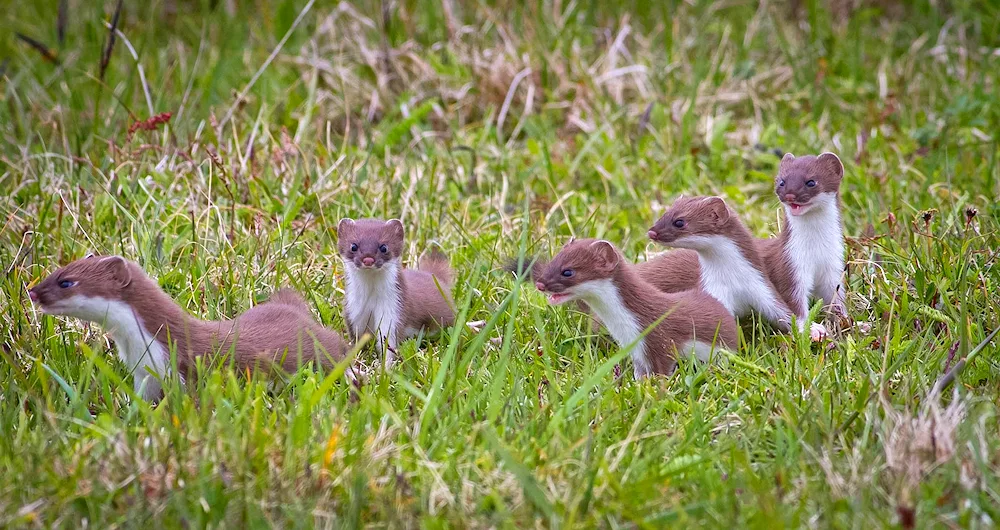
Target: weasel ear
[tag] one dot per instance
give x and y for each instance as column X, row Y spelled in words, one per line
column 720, row 212
column 396, row 227
column 89, row 255
column 118, row 268
column 832, row 164
column 785, row 160
column 607, row 255
column 344, row 224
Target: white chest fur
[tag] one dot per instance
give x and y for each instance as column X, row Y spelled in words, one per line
column 727, row 275
column 816, row 249
column 374, row 301
column 604, row 299
column 137, row 347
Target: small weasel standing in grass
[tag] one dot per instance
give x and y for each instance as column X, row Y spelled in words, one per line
column 731, row 269
column 807, row 259
column 593, row 271
column 145, row 322
column 385, row 299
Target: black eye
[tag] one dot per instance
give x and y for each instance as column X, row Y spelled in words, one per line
column 354, row 247
column 383, row 249
column 680, row 223
column 66, row 284
column 781, row 183
column 568, row 273
column 811, row 183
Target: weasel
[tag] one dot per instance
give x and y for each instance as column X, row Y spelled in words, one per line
column 385, row 299
column 731, row 268
column 146, row 323
column 593, row 271
column 807, row 259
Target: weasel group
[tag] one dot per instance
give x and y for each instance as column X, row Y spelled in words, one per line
column 682, row 302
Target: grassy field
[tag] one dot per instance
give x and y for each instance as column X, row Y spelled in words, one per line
column 498, row 129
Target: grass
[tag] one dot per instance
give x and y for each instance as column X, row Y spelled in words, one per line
column 495, row 129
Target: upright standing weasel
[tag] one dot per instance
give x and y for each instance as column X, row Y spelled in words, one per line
column 594, row 272
column 731, row 269
column 145, row 323
column 385, row 299
column 807, row 258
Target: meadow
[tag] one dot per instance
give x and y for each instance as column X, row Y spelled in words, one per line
column 497, row 130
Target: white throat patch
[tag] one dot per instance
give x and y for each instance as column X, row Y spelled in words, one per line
column 816, row 249
column 606, row 302
column 137, row 347
column 728, row 275
column 374, row 302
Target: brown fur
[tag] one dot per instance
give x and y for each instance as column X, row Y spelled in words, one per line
column 671, row 272
column 690, row 315
column 280, row 331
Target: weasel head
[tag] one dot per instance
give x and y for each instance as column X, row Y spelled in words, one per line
column 84, row 288
column 571, row 272
column 808, row 182
column 369, row 244
column 689, row 220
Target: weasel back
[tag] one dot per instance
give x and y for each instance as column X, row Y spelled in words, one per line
column 671, row 272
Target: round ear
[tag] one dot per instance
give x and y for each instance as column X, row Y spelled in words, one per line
column 344, row 224
column 89, row 255
column 787, row 158
column 606, row 254
column 118, row 268
column 720, row 212
column 396, row 226
column 832, row 163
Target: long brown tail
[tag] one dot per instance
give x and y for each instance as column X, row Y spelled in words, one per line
column 436, row 263
column 290, row 297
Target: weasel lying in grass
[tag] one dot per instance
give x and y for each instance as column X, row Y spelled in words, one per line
column 146, row 323
column 594, row 272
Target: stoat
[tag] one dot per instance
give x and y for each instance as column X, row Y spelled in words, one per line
column 384, row 298
column 146, row 324
column 806, row 260
column 594, row 272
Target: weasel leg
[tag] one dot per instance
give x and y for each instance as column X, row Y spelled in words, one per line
column 777, row 313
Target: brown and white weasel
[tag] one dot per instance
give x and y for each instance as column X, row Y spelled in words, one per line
column 593, row 271
column 731, row 269
column 807, row 259
column 145, row 323
column 385, row 299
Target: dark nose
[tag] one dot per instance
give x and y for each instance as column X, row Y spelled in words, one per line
column 653, row 234
column 368, row 262
column 32, row 295
column 789, row 196
column 540, row 286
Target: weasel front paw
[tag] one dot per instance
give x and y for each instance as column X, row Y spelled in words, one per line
column 817, row 332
